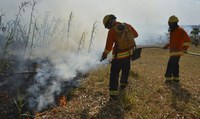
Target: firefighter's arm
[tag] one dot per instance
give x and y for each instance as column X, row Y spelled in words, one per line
column 186, row 43
column 133, row 31
column 109, row 45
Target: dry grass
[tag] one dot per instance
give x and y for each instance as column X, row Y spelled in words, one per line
column 146, row 97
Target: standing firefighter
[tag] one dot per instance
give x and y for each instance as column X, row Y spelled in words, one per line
column 178, row 44
column 120, row 39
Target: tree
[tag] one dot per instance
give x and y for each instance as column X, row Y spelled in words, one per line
column 195, row 35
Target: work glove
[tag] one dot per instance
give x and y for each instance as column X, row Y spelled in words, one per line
column 104, row 56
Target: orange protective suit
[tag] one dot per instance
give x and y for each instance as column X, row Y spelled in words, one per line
column 179, row 42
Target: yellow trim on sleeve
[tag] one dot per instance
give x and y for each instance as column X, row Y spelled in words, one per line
column 107, row 51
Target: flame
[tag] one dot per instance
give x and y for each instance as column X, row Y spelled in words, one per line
column 37, row 114
column 63, row 101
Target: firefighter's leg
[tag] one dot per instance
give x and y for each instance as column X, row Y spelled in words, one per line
column 176, row 68
column 125, row 73
column 169, row 70
column 114, row 76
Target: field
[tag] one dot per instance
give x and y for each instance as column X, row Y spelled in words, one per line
column 146, row 97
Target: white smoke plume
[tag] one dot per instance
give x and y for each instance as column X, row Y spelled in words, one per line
column 58, row 68
column 60, row 61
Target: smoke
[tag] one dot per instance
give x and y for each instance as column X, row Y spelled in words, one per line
column 60, row 62
column 149, row 18
column 55, row 70
column 60, row 59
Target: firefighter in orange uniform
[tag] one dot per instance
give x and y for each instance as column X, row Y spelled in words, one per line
column 178, row 44
column 117, row 35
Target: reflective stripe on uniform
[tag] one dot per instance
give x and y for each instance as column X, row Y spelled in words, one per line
column 123, row 54
column 107, row 51
column 113, row 92
column 176, row 78
column 176, row 53
column 168, row 78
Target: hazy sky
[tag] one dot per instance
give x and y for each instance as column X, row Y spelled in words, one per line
column 144, row 15
column 135, row 11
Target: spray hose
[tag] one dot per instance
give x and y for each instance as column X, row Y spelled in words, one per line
column 138, row 50
column 193, row 53
column 161, row 47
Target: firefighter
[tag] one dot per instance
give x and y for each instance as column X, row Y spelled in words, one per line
column 179, row 42
column 121, row 51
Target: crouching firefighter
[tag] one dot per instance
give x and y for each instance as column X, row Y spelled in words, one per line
column 120, row 39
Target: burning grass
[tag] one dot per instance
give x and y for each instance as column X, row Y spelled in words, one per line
column 147, row 96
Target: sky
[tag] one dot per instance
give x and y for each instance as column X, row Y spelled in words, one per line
column 146, row 16
column 134, row 11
